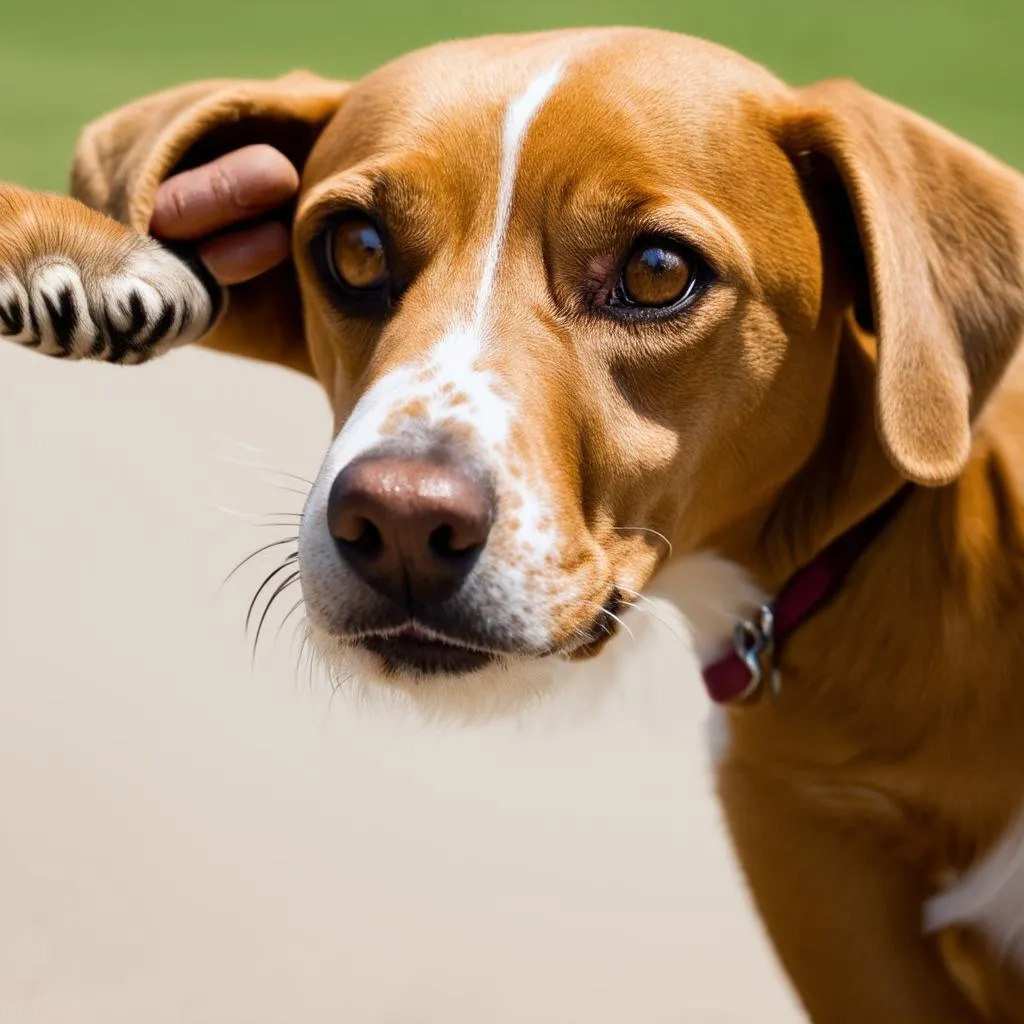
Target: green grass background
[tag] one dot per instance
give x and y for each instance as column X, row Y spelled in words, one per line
column 64, row 61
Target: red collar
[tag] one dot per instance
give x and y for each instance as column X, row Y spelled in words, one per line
column 738, row 675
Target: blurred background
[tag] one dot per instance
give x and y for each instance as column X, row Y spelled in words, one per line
column 186, row 836
column 63, row 61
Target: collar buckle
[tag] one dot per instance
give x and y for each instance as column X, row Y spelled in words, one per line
column 754, row 643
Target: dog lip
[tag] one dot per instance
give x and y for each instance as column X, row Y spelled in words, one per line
column 415, row 632
column 412, row 647
column 419, row 634
column 602, row 628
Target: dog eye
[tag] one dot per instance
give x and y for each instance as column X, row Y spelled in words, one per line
column 357, row 255
column 657, row 273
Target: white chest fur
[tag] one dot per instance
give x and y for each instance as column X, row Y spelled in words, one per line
column 989, row 897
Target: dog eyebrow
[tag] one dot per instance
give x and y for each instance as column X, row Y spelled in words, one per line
column 368, row 187
column 696, row 220
column 711, row 225
column 621, row 211
column 392, row 197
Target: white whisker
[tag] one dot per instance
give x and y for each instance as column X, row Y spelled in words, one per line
column 233, row 511
column 640, row 610
column 624, row 625
column 648, row 529
column 244, row 445
column 239, row 514
column 260, row 469
column 653, row 610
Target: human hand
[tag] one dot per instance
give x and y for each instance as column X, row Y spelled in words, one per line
column 238, row 187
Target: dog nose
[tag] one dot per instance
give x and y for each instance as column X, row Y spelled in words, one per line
column 411, row 528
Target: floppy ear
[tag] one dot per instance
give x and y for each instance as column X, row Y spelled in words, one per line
column 940, row 227
column 122, row 158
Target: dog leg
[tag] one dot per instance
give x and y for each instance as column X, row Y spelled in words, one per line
column 843, row 914
column 78, row 285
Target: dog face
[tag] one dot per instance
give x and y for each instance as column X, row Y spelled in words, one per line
column 561, row 334
column 584, row 300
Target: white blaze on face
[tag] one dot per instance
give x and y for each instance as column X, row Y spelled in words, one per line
column 453, row 390
column 518, row 118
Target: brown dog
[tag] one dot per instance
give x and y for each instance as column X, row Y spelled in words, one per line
column 577, row 294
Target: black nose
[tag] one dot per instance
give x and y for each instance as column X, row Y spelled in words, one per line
column 411, row 528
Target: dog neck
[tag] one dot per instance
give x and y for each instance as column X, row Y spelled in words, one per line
column 846, row 479
column 739, row 675
column 936, row 584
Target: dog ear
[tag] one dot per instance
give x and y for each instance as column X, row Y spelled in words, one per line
column 122, row 158
column 939, row 226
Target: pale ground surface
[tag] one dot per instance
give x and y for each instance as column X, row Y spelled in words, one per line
column 184, row 840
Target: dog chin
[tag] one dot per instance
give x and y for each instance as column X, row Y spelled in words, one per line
column 504, row 687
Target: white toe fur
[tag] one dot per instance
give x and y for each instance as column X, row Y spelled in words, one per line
column 55, row 289
column 152, row 302
column 14, row 321
column 167, row 279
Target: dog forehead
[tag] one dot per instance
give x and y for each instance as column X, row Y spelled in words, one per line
column 450, row 99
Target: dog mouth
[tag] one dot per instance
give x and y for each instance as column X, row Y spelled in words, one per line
column 413, row 649
column 591, row 640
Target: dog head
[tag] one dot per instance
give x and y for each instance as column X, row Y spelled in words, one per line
column 582, row 301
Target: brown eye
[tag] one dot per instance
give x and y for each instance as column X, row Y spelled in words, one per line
column 357, row 254
column 656, row 274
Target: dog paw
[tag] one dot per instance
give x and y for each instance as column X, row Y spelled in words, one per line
column 125, row 311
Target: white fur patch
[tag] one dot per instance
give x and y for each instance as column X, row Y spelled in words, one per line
column 711, row 594
column 989, row 897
